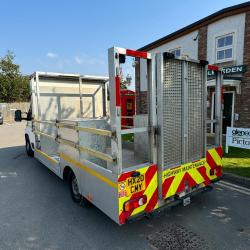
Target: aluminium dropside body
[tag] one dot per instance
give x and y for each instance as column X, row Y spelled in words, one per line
column 179, row 162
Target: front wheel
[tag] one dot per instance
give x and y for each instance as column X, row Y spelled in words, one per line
column 28, row 147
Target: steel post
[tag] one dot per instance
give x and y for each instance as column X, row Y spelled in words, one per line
column 218, row 108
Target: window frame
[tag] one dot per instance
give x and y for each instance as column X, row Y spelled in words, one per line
column 175, row 49
column 217, row 49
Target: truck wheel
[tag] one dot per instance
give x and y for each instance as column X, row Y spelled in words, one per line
column 74, row 190
column 28, row 147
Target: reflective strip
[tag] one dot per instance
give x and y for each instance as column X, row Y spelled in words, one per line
column 134, row 53
column 208, row 168
column 175, row 184
column 97, row 154
column 65, row 125
column 196, row 176
column 117, row 92
column 46, row 135
column 151, row 191
column 74, row 127
column 95, row 131
column 86, row 129
column 192, row 174
column 47, row 122
column 88, row 170
column 89, row 151
column 140, row 54
column 215, row 156
column 46, row 156
column 153, row 202
column 67, row 142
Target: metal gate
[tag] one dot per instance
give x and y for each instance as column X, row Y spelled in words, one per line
column 181, row 105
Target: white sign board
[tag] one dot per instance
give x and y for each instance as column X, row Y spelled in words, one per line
column 238, row 137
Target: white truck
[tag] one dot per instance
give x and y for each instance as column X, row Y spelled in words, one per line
column 74, row 128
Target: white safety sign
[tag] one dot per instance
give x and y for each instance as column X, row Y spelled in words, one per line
column 238, row 137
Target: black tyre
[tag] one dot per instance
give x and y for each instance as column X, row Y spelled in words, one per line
column 28, row 147
column 74, row 190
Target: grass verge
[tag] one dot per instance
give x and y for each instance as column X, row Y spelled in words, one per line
column 237, row 161
column 128, row 137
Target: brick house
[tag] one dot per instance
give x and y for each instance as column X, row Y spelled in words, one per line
column 223, row 39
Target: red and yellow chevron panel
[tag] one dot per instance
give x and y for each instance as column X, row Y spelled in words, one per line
column 187, row 176
column 137, row 187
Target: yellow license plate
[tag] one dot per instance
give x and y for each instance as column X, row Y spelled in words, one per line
column 135, row 184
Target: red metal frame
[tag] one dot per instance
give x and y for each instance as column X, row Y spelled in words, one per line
column 213, row 67
column 135, row 53
column 117, row 92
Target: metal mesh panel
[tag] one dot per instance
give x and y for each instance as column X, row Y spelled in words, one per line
column 195, row 111
column 172, row 112
column 182, row 117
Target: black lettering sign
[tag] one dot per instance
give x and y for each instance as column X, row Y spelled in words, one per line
column 238, row 132
column 135, row 180
column 130, row 181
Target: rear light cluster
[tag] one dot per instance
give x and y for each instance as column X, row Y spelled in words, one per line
column 137, row 202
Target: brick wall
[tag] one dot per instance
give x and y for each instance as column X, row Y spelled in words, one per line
column 202, row 43
column 242, row 102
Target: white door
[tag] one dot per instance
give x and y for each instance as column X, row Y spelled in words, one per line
column 228, row 111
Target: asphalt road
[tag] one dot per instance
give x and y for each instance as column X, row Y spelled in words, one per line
column 36, row 212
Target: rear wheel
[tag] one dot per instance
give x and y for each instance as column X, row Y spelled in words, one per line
column 74, row 190
column 28, row 147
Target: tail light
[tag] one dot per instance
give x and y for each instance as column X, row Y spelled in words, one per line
column 212, row 172
column 132, row 204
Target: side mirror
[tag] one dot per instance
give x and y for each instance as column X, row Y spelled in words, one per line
column 18, row 115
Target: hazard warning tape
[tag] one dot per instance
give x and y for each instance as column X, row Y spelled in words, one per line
column 135, row 184
column 144, row 182
column 203, row 171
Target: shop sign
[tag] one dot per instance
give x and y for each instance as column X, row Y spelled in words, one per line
column 230, row 70
column 238, row 137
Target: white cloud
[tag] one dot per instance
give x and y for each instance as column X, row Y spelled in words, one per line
column 51, row 55
column 88, row 60
column 78, row 60
column 77, row 63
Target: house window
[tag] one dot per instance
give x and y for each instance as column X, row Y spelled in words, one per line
column 224, row 48
column 176, row 52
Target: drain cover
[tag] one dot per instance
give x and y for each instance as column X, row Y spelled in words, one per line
column 176, row 237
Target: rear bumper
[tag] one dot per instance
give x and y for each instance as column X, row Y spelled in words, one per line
column 176, row 201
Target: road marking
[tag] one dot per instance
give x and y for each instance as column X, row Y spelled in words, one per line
column 8, row 174
column 234, row 188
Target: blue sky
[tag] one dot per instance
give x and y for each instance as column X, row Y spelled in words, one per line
column 73, row 36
